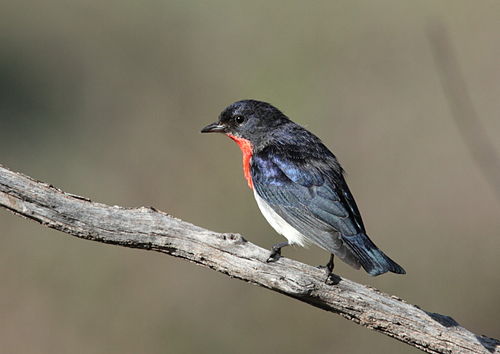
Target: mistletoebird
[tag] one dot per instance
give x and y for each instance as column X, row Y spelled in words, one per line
column 299, row 186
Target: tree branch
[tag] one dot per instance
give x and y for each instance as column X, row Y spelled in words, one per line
column 231, row 254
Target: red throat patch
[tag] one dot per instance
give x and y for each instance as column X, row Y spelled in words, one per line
column 246, row 148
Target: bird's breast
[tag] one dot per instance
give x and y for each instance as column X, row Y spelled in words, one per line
column 279, row 224
column 247, row 151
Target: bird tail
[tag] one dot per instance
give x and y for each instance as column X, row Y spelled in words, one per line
column 373, row 260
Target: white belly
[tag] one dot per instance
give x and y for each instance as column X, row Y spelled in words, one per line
column 279, row 224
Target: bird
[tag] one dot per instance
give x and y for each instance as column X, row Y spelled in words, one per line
column 299, row 186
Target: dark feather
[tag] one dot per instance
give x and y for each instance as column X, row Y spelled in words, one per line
column 306, row 187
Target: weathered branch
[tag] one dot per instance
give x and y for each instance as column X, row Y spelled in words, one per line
column 231, row 254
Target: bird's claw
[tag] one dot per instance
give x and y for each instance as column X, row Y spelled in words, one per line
column 274, row 256
column 331, row 279
column 276, row 252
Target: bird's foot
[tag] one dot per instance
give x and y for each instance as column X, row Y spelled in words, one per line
column 331, row 279
column 276, row 252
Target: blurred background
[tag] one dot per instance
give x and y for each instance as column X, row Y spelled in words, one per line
column 106, row 100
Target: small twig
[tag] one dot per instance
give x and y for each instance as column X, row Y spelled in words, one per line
column 231, row 254
column 471, row 130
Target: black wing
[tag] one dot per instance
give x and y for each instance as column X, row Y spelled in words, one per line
column 306, row 195
column 312, row 196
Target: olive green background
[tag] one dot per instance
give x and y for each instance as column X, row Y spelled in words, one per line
column 106, row 100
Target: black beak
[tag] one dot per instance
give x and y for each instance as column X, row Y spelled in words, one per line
column 213, row 128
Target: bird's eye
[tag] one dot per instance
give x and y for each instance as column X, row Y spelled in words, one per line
column 239, row 119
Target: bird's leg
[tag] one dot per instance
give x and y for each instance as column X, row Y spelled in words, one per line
column 276, row 251
column 331, row 279
column 330, row 265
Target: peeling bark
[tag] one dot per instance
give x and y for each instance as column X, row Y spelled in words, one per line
column 228, row 253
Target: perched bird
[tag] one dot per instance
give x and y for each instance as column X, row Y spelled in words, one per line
column 299, row 186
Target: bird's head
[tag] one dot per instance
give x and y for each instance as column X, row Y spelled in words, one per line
column 249, row 120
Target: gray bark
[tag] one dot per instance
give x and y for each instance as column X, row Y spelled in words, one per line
column 231, row 254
